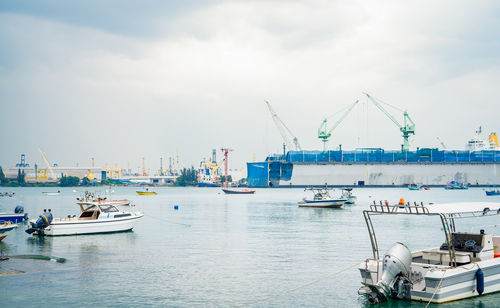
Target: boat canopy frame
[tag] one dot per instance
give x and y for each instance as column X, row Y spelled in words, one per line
column 447, row 221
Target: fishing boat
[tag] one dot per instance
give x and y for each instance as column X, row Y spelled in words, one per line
column 7, row 194
column 50, row 193
column 93, row 218
column 18, row 216
column 237, row 191
column 322, row 199
column 347, row 194
column 455, row 185
column 466, row 265
column 493, row 193
column 5, row 229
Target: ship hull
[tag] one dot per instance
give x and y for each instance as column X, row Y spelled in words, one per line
column 371, row 174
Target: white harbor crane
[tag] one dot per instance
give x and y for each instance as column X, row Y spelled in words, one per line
column 283, row 129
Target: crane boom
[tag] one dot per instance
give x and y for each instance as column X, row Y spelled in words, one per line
column 408, row 127
column 52, row 174
column 281, row 128
column 323, row 134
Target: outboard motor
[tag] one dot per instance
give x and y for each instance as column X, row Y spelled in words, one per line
column 19, row 209
column 395, row 275
column 42, row 222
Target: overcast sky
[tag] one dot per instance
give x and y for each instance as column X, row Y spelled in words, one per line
column 120, row 80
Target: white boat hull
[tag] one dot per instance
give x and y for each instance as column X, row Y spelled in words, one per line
column 446, row 284
column 322, row 203
column 73, row 226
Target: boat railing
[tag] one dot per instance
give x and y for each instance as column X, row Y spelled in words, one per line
column 385, row 207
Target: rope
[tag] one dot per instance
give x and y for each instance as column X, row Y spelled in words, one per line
column 436, row 289
column 169, row 221
column 299, row 287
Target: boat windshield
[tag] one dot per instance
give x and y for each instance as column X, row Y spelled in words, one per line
column 106, row 208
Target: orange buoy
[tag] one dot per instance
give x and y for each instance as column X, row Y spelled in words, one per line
column 401, row 201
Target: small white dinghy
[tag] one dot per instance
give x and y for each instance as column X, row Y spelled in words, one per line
column 94, row 218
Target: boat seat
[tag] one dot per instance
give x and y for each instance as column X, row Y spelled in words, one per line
column 443, row 256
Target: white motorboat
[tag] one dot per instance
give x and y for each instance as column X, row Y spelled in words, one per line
column 51, row 193
column 466, row 265
column 322, row 199
column 94, row 218
column 347, row 194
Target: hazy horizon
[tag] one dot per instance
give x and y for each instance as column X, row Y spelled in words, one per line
column 120, row 80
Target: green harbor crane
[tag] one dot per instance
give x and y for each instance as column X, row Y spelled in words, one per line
column 408, row 127
column 323, row 134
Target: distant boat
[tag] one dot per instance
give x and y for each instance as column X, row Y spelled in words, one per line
column 493, row 193
column 347, row 194
column 322, row 199
column 456, row 185
column 417, row 186
column 52, row 193
column 237, row 192
column 414, row 186
column 5, row 229
column 18, row 216
column 146, row 193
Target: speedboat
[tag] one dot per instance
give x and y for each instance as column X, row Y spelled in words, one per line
column 322, row 199
column 18, row 216
column 466, row 265
column 347, row 194
column 493, row 193
column 94, row 218
column 5, row 229
column 7, row 194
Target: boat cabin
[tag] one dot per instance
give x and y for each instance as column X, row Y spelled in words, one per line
column 91, row 211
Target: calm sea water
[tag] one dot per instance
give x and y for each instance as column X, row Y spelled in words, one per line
column 217, row 250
